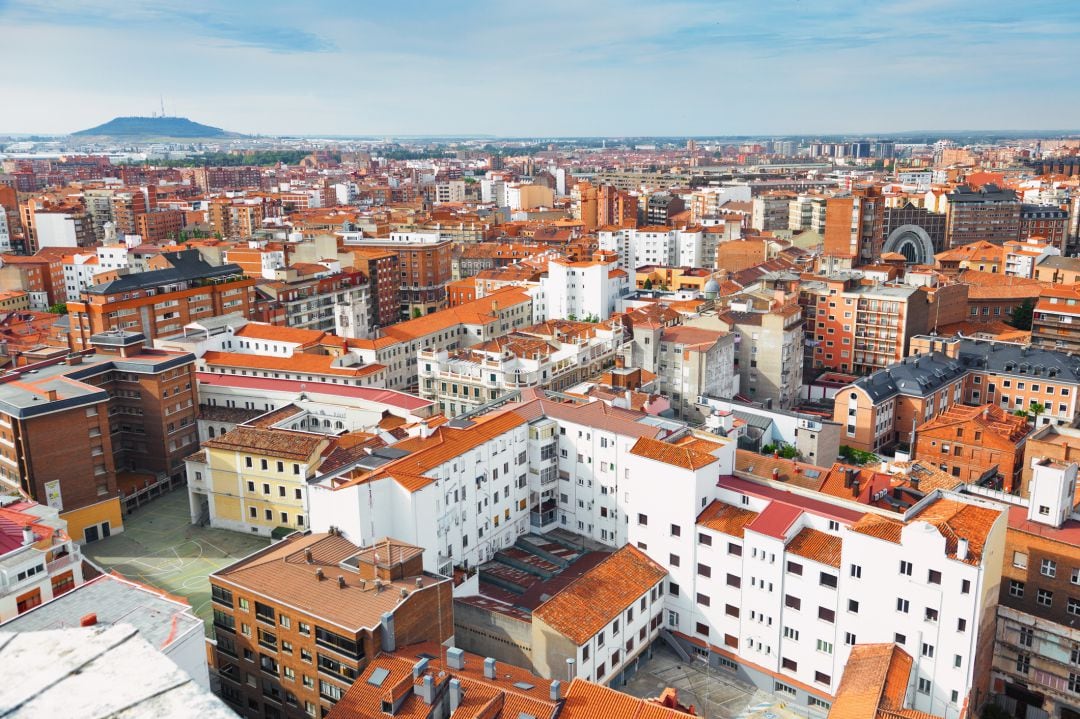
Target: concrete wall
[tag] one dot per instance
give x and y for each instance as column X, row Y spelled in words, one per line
column 490, row 634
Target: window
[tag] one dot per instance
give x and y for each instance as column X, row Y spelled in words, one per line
column 734, row 581
column 731, row 610
column 961, row 625
column 1016, row 589
column 902, row 605
column 792, row 602
column 849, row 639
column 822, row 678
column 1027, row 636
column 828, row 580
column 1023, row 663
column 1075, row 578
column 643, row 520
column 965, row 586
column 824, row 646
column 934, row 577
column 703, row 599
column 673, row 589
column 1045, row 598
column 676, row 530
column 794, row 568
column 1020, row 560
column 924, row 685
column 704, row 570
column 927, row 650
column 931, row 614
column 900, row 638
column 1073, row 606
column 1048, row 568
column 853, row 606
column 825, row 614
column 702, row 629
column 856, row 571
column 673, row 560
column 790, row 664
column 790, row 633
column 704, row 539
column 905, row 567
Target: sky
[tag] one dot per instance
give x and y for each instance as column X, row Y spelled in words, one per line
column 546, row 68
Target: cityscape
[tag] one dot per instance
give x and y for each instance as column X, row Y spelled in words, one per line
column 657, row 361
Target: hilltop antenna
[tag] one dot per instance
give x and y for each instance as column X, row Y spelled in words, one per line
column 162, row 97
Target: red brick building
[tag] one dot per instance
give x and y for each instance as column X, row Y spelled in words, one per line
column 971, row 443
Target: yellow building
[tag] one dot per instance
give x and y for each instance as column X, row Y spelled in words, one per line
column 674, row 278
column 254, row 479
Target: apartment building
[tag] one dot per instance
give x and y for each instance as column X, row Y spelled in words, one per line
column 37, row 277
column 1037, row 644
column 913, row 231
column 768, row 352
column 160, row 302
column 1055, row 322
column 38, row 560
column 1020, row 258
column 160, row 226
column 384, row 279
column 1059, row 270
column 588, row 289
column 471, row 323
column 336, row 300
column 989, row 213
column 800, row 578
column 235, row 217
column 854, row 229
column 296, row 623
column 856, row 327
column 55, row 224
column 122, row 407
column 658, row 245
column 553, row 355
column 885, row 407
column 689, row 361
column 1060, row 444
column 253, row 478
column 1045, row 221
column 771, row 211
column 975, row 444
column 424, row 262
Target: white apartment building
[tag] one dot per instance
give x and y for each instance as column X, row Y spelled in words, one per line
column 57, row 229
column 554, row 355
column 5, row 232
column 577, row 290
column 79, row 272
column 658, row 246
column 41, row 561
column 493, row 191
column 112, row 257
column 776, row 585
column 449, row 191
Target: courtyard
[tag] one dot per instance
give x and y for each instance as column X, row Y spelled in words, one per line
column 159, row 547
column 713, row 693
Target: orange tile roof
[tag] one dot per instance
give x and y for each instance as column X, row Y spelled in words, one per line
column 271, row 442
column 596, row 598
column 586, row 700
column 298, row 362
column 477, row 312
column 678, row 456
column 1006, row 428
column 816, row 545
column 277, row 333
column 725, row 518
column 875, row 678
column 953, row 519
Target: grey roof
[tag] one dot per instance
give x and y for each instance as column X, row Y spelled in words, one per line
column 1059, row 261
column 753, row 420
column 114, row 601
column 97, row 672
column 187, row 265
column 918, row 376
column 988, row 193
column 1027, row 210
column 922, row 375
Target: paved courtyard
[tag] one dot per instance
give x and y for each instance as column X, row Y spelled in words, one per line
column 714, row 694
column 159, row 547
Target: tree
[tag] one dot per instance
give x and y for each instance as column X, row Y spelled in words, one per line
column 783, row 449
column 416, row 312
column 1022, row 314
column 572, row 317
column 1036, row 409
column 60, row 308
column 648, row 283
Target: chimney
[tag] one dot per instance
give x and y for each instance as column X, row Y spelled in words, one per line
column 570, row 673
column 419, row 582
column 427, row 690
column 307, row 556
column 28, row 536
column 914, row 483
column 961, row 548
column 556, row 691
column 489, row 668
column 319, row 574
column 404, row 593
column 341, row 581
column 88, row 620
column 776, row 474
column 419, row 668
column 378, row 585
column 855, row 488
column 455, row 694
column 455, row 658
column 389, row 642
column 52, row 395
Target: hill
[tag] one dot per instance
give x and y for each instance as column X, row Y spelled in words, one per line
column 154, row 127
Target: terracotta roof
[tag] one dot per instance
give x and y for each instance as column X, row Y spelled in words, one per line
column 599, row 596
column 270, row 442
column 953, row 519
column 875, row 678
column 816, row 545
column 991, row 419
column 282, row 573
column 678, row 456
column 586, row 700
column 726, row 518
column 299, row 362
column 276, row 333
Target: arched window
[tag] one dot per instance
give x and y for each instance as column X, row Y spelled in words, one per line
column 211, row 431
